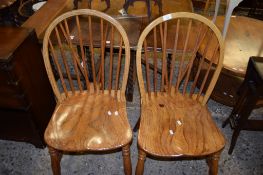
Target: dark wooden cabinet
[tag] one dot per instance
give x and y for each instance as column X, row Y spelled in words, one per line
column 26, row 97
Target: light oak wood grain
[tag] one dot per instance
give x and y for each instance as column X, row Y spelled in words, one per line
column 195, row 132
column 175, row 121
column 82, row 123
column 91, row 107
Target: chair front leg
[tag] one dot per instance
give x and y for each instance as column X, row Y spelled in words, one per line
column 55, row 156
column 127, row 160
column 212, row 162
column 140, row 163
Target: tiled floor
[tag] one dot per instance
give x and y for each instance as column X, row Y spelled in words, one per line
column 22, row 158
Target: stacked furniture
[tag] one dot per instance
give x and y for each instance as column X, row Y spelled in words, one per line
column 26, row 99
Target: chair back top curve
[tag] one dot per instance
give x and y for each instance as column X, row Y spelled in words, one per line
column 86, row 51
column 185, row 54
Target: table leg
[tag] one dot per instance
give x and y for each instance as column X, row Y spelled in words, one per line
column 131, row 77
column 148, row 3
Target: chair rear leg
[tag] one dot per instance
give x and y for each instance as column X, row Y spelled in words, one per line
column 127, row 160
column 212, row 162
column 140, row 163
column 137, row 125
column 55, row 156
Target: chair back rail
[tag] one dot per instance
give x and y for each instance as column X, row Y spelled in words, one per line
column 83, row 51
column 182, row 46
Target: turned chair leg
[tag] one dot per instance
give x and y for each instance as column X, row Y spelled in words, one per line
column 127, row 160
column 55, row 156
column 212, row 162
column 140, row 163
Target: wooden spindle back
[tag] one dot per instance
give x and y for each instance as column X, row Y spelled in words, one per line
column 183, row 53
column 86, row 51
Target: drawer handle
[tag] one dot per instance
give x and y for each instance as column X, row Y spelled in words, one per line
column 14, row 83
column 20, row 96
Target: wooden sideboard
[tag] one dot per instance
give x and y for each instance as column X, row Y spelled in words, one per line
column 26, row 97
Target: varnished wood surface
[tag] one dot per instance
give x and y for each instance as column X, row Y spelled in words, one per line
column 9, row 44
column 197, row 135
column 41, row 19
column 244, row 39
column 26, row 98
column 91, row 106
column 175, row 121
column 133, row 27
column 82, row 123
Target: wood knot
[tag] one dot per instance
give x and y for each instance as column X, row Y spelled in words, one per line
column 161, row 105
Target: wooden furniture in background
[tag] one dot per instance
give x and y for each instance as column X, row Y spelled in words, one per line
column 251, row 97
column 89, row 4
column 140, row 9
column 26, row 98
column 231, row 4
column 91, row 106
column 175, row 121
column 25, row 9
column 41, row 19
column 148, row 4
column 243, row 39
column 7, row 16
column 133, row 25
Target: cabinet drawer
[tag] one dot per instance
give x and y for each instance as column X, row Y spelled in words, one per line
column 14, row 101
column 11, row 93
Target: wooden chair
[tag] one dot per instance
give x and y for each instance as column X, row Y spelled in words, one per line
column 91, row 107
column 175, row 121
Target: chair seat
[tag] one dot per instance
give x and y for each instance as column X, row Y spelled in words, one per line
column 177, row 126
column 83, row 122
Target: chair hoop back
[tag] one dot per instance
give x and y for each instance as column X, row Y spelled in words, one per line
column 83, row 51
column 171, row 45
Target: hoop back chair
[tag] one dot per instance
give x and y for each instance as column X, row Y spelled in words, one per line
column 175, row 121
column 89, row 84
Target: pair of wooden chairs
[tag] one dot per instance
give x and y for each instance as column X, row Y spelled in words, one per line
column 89, row 53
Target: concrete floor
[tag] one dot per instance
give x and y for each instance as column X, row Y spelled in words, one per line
column 23, row 158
